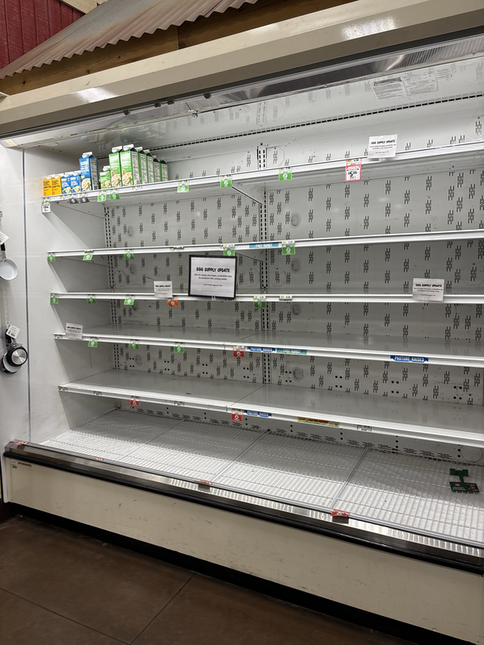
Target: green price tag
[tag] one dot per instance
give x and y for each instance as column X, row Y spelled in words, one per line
column 133, row 344
column 226, row 182
column 129, row 301
column 92, row 343
column 54, row 300
column 51, row 257
column 285, row 174
column 229, row 253
column 288, row 249
column 259, row 303
column 114, row 196
column 183, row 187
column 87, row 257
column 91, row 300
column 128, row 255
column 102, row 197
column 179, row 349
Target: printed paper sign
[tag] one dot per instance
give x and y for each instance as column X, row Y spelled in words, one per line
column 73, row 331
column 163, row 290
column 212, row 276
column 428, row 290
column 353, row 170
column 46, row 208
column 390, row 88
column 383, row 146
column 12, row 331
column 3, row 238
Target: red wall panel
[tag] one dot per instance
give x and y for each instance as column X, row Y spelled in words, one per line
column 24, row 24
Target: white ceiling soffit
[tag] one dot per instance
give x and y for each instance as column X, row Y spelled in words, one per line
column 344, row 31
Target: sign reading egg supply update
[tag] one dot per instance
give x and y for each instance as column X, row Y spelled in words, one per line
column 212, row 276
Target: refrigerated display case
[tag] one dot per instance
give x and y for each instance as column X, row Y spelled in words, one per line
column 324, row 429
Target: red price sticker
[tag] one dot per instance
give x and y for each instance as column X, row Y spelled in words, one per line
column 239, row 351
column 173, row 302
column 353, row 170
column 134, row 401
column 340, row 516
column 237, row 415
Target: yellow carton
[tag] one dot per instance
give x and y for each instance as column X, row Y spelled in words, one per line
column 47, row 186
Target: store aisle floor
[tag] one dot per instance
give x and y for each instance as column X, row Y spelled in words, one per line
column 59, row 587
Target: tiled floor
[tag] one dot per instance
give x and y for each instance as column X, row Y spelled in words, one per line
column 62, row 588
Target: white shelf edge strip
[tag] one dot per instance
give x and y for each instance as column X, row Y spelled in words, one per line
column 307, row 297
column 392, row 238
column 280, row 348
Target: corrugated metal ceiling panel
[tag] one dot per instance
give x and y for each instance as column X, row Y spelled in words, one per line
column 117, row 20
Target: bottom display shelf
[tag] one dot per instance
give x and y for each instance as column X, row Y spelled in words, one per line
column 399, row 492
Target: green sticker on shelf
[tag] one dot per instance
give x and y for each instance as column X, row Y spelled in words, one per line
column 129, row 301
column 128, row 255
column 285, row 174
column 51, row 257
column 88, row 255
column 114, row 196
column 54, row 300
column 183, row 187
column 133, row 344
column 179, row 349
column 91, row 300
column 226, row 182
column 229, row 250
column 92, row 342
column 260, row 302
column 102, row 197
column 288, row 248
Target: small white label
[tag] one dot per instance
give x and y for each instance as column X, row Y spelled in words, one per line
column 390, row 88
column 12, row 331
column 420, row 82
column 428, row 290
column 163, row 290
column 73, row 331
column 383, row 146
column 3, row 238
column 46, row 207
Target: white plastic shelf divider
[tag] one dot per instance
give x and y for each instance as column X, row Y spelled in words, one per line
column 436, row 420
column 458, row 353
column 392, row 238
column 447, row 157
column 402, row 298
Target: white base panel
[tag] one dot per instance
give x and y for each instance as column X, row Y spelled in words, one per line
column 426, row 595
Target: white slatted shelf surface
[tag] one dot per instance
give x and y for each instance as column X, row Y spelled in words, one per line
column 400, row 491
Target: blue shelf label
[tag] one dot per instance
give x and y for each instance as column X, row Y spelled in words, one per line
column 252, row 413
column 300, row 352
column 266, row 350
column 265, row 245
column 409, row 359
